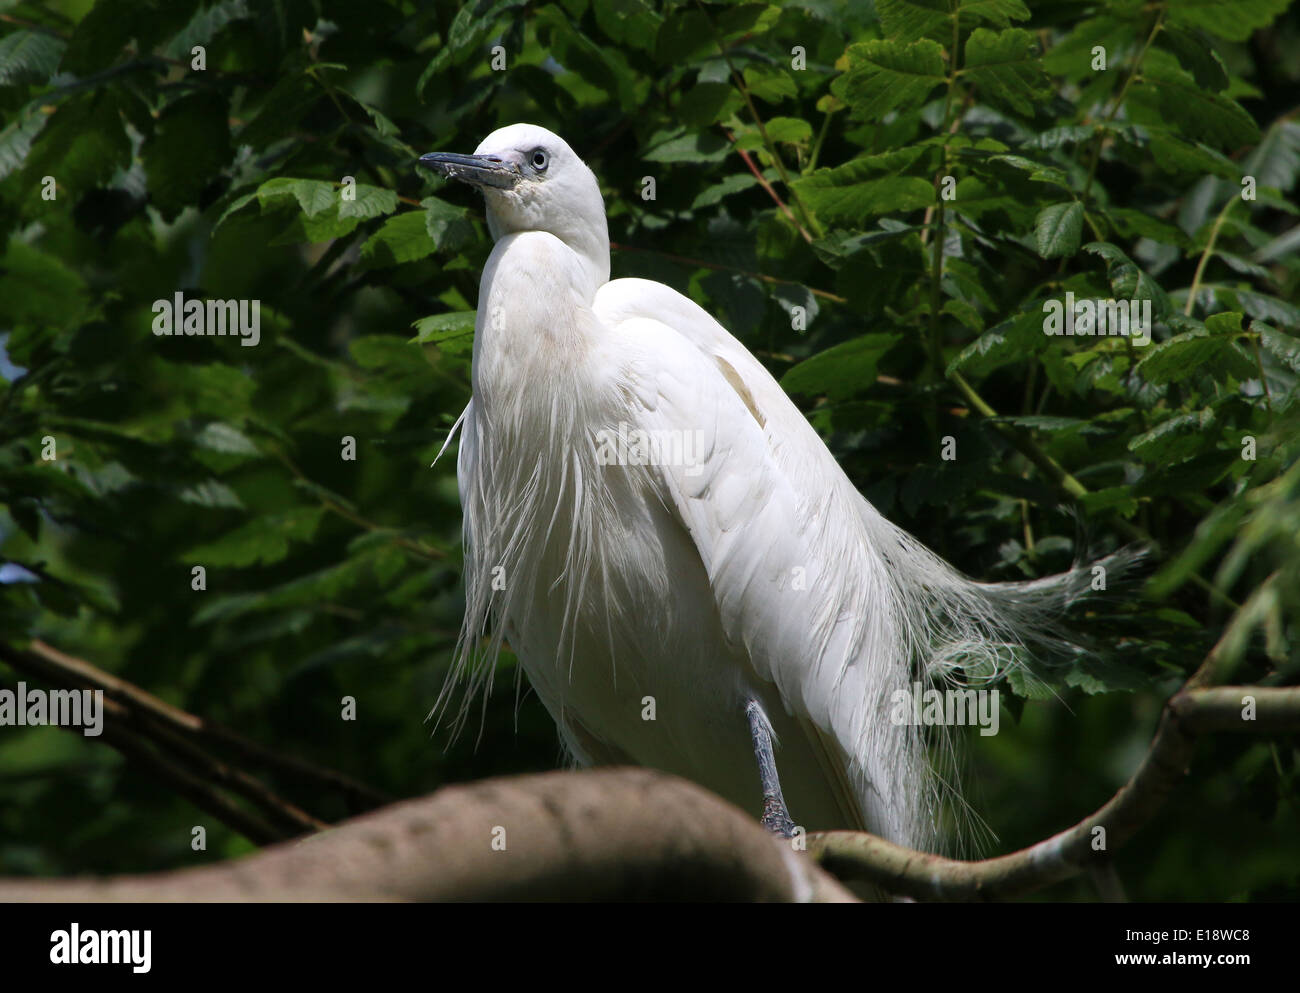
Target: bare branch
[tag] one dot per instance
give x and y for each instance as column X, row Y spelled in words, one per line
column 606, row 834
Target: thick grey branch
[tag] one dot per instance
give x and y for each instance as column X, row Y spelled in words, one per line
column 607, row 834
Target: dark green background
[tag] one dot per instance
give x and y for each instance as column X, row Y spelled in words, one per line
column 329, row 578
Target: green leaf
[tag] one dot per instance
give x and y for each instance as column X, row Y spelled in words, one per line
column 1196, row 56
column 866, row 186
column 696, row 147
column 714, row 194
column 449, row 226
column 83, row 144
column 910, row 20
column 223, row 438
column 38, row 288
column 769, row 83
column 1006, row 68
column 1138, row 224
column 886, row 76
column 452, row 333
column 1058, row 230
column 103, row 32
column 1275, row 161
column 998, row 12
column 211, row 493
column 206, row 23
column 1166, row 94
column 403, row 238
column 16, row 139
column 683, row 36
column 1175, row 154
column 1283, row 347
column 706, row 103
column 264, row 539
column 280, row 110
column 1205, row 350
column 1118, row 499
column 29, row 57
column 314, row 196
column 791, row 130
column 1012, row 340
column 473, row 24
column 367, row 202
column 629, row 22
column 854, row 203
column 843, row 370
column 1175, row 438
column 1127, row 280
column 1235, row 20
column 322, row 216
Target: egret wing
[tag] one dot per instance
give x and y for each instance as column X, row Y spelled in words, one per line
column 779, row 530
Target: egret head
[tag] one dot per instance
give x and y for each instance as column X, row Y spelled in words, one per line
column 531, row 180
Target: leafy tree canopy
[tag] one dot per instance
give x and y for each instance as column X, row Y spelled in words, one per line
column 886, row 203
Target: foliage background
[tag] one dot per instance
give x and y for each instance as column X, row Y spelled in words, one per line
column 329, row 578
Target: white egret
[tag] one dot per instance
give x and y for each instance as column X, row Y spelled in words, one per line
column 735, row 606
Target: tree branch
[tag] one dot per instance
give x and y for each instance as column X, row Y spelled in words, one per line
column 44, row 660
column 606, row 834
column 1196, row 708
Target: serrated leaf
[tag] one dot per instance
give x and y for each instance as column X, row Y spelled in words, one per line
column 1058, row 229
column 448, row 225
column 16, row 139
column 1196, row 56
column 854, row 203
column 1283, row 347
column 1209, row 350
column 314, row 196
column 403, row 238
column 205, row 25
column 452, row 333
column 29, row 57
column 211, row 493
column 886, row 76
column 1166, row 94
column 1175, row 438
column 1127, row 280
column 369, row 201
column 1235, row 20
column 769, row 83
column 1010, row 341
column 1006, row 68
column 1175, row 154
column 225, row 439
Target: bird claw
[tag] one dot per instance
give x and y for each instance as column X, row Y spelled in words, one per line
column 777, row 820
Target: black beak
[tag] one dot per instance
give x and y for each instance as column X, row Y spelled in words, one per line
column 477, row 170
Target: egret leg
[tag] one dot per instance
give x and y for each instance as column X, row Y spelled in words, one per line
column 776, row 818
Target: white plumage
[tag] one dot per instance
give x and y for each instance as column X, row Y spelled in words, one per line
column 748, row 569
